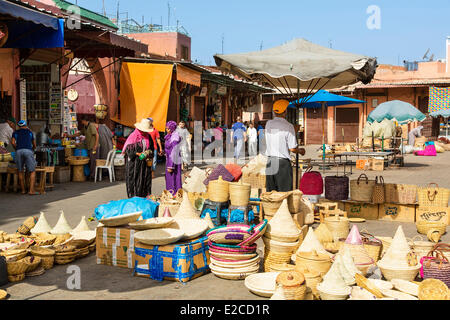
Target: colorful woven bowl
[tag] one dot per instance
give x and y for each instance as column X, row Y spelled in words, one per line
column 232, row 234
column 231, row 249
column 258, row 232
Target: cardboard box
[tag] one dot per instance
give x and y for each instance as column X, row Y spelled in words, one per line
column 362, row 164
column 376, row 164
column 115, row 246
column 427, row 213
column 398, row 212
column 356, row 209
column 177, row 262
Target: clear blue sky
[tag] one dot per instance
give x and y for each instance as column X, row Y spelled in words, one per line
column 408, row 27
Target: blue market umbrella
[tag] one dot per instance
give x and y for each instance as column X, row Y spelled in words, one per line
column 396, row 110
column 321, row 99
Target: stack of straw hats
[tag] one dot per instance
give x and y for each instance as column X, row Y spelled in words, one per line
column 41, row 226
column 334, row 286
column 232, row 250
column 281, row 238
column 62, row 226
column 399, row 261
column 359, row 254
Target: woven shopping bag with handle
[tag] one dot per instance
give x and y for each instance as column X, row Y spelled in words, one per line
column 434, row 196
column 435, row 265
column 361, row 189
column 400, row 193
column 378, row 190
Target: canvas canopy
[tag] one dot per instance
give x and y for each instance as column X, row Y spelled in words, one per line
column 396, row 110
column 144, row 92
column 301, row 60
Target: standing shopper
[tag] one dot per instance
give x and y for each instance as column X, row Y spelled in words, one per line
column 252, row 135
column 280, row 141
column 139, row 149
column 91, row 142
column 261, row 139
column 218, row 136
column 172, row 142
column 238, row 137
column 7, row 128
column 184, row 145
column 25, row 144
column 105, row 137
column 156, row 143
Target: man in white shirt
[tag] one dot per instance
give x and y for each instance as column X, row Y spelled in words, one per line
column 7, row 128
column 280, row 142
column 252, row 135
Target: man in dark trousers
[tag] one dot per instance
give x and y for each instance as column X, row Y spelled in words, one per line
column 25, row 144
column 280, row 142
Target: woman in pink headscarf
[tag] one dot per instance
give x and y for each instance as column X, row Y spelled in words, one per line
column 138, row 150
column 172, row 142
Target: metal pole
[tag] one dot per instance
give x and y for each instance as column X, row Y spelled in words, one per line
column 323, row 136
column 296, row 155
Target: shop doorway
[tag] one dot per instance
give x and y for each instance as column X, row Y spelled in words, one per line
column 314, row 125
column 199, row 109
column 347, row 124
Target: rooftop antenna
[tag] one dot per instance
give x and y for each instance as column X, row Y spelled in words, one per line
column 104, row 10
column 223, row 39
column 168, row 14
column 117, row 14
column 261, row 46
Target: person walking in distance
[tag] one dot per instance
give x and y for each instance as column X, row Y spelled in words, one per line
column 252, row 135
column 183, row 132
column 158, row 150
column 25, row 144
column 239, row 137
column 280, row 141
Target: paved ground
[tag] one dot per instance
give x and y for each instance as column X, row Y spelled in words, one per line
column 105, row 282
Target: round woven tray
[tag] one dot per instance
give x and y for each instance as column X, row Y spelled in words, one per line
column 152, row 223
column 262, row 284
column 121, row 220
column 159, row 236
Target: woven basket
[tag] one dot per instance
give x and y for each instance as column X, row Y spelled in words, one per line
column 91, row 247
column 280, row 247
column 372, row 245
column 44, row 239
column 78, row 161
column 274, row 259
column 434, row 235
column 219, row 190
column 424, row 225
column 420, row 247
column 293, row 284
column 14, row 255
column 433, row 196
column 408, row 274
column 173, row 208
column 361, row 189
column 400, row 193
column 433, row 289
column 295, row 201
column 313, row 261
column 386, row 243
column 16, row 267
column 32, row 263
column 26, row 226
column 15, row 278
column 239, row 194
column 338, row 226
column 281, row 267
column 47, row 256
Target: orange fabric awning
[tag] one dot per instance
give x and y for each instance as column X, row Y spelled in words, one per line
column 188, row 75
column 144, row 93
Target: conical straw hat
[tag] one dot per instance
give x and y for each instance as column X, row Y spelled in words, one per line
column 82, row 226
column 359, row 253
column 279, row 294
column 194, row 181
column 333, row 280
column 349, row 278
column 167, row 213
column 311, row 243
column 348, row 262
column 61, row 227
column 208, row 220
column 282, row 224
column 396, row 254
column 354, row 237
column 42, row 225
column 186, row 210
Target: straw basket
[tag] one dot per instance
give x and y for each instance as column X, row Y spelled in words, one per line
column 385, row 244
column 32, row 263
column 280, row 247
column 433, row 196
column 15, row 278
column 218, row 190
column 270, row 208
column 79, row 161
column 372, row 245
column 420, row 247
column 338, row 226
column 14, row 255
column 433, row 289
column 408, row 274
column 44, row 239
column 434, row 235
column 313, row 261
column 400, row 193
column 294, row 285
column 281, row 267
column 15, row 268
column 271, row 201
column 274, row 259
column 330, row 295
column 295, row 201
column 47, row 256
column 424, row 225
column 239, row 194
column 173, row 207
column 27, row 225
column 159, row 237
column 361, row 189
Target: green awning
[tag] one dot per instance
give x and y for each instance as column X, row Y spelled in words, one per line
column 86, row 14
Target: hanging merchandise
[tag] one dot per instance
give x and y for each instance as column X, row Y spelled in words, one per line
column 361, row 189
column 378, row 191
column 311, row 182
column 336, row 188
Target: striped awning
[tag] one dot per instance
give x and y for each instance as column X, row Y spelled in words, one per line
column 188, row 75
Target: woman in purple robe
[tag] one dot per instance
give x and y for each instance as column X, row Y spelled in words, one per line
column 172, row 142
